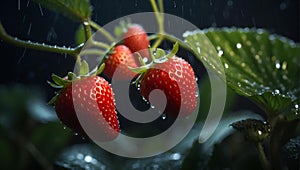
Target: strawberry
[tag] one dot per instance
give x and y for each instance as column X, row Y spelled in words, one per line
column 176, row 78
column 120, row 58
column 88, row 101
column 136, row 39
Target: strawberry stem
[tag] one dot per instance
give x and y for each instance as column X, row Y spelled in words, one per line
column 97, row 27
column 87, row 30
column 38, row 46
column 160, row 21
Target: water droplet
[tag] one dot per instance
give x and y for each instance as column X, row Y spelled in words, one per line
column 174, row 4
column 198, row 49
column 239, row 84
column 75, row 134
column 284, row 65
column 88, row 158
column 164, row 116
column 152, row 106
column 220, row 53
column 226, row 65
column 85, row 23
column 276, row 91
column 277, row 65
column 296, row 106
column 175, row 156
column 64, row 127
column 259, row 132
column 238, row 45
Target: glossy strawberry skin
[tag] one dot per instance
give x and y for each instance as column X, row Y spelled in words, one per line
column 120, row 58
column 91, row 100
column 136, row 39
column 177, row 80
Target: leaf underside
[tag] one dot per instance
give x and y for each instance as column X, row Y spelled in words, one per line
column 256, row 64
column 78, row 10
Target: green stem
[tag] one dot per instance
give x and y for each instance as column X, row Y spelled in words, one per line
column 93, row 52
column 265, row 163
column 87, row 30
column 102, row 31
column 38, row 46
column 101, row 44
column 160, row 21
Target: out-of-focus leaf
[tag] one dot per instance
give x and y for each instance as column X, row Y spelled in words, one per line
column 80, row 35
column 291, row 153
column 84, row 156
column 41, row 111
column 205, row 98
column 78, row 10
column 257, row 65
column 50, row 138
column 204, row 151
column 7, row 155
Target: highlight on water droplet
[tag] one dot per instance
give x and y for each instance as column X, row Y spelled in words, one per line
column 238, row 45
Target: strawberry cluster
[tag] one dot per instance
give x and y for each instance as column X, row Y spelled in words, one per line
column 89, row 99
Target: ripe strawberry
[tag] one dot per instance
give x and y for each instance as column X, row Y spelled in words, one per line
column 90, row 100
column 121, row 58
column 136, row 39
column 176, row 78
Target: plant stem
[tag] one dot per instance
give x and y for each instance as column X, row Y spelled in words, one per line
column 102, row 31
column 87, row 30
column 265, row 163
column 160, row 21
column 38, row 46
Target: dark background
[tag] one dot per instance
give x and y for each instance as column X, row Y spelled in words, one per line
column 27, row 20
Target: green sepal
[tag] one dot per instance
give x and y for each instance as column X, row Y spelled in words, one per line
column 141, row 69
column 59, row 81
column 54, row 85
column 83, row 68
column 100, row 69
column 53, row 100
column 174, row 50
column 71, row 76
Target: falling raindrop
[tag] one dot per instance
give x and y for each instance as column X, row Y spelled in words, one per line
column 22, row 56
column 164, row 116
column 28, row 2
column 88, row 158
column 29, row 29
column 41, row 10
column 76, row 134
column 174, row 4
column 19, row 5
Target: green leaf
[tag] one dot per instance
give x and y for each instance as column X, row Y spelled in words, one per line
column 257, row 65
column 51, row 138
column 80, row 35
column 200, row 153
column 78, row 10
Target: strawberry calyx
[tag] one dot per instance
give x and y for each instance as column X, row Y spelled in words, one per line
column 62, row 82
column 157, row 56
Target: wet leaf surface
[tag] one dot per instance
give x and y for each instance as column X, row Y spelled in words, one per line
column 78, row 10
column 258, row 65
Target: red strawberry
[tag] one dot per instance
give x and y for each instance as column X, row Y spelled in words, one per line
column 121, row 58
column 136, row 39
column 176, row 78
column 90, row 100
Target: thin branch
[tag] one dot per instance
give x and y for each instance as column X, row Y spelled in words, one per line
column 102, row 31
column 87, row 30
column 160, row 21
column 38, row 46
column 265, row 163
